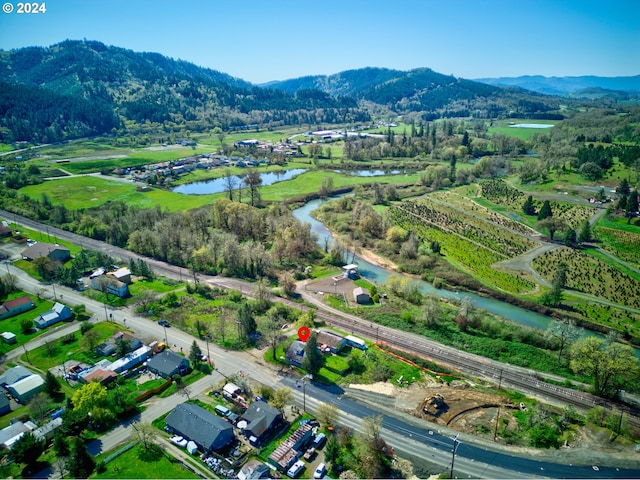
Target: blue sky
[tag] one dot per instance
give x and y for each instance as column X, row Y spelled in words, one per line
column 263, row 40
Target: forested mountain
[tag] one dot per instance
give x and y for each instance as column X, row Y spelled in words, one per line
column 423, row 90
column 566, row 85
column 81, row 88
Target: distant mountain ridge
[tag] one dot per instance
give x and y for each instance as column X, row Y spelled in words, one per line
column 566, row 85
column 87, row 88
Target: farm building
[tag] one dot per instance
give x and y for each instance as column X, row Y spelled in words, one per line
column 16, row 306
column 5, row 405
column 167, row 363
column 54, row 252
column 10, row 434
column 58, row 313
column 207, row 430
column 361, row 295
column 23, row 390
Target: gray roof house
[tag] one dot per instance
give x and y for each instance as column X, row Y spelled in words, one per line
column 58, row 313
column 361, row 295
column 261, row 419
column 204, row 428
column 295, row 353
column 54, row 252
column 168, row 363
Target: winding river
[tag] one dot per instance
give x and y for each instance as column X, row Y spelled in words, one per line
column 380, row 275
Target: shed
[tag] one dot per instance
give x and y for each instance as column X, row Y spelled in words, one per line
column 23, row 390
column 361, row 295
column 8, row 337
column 254, row 470
column 204, row 428
column 350, row 271
column 167, row 363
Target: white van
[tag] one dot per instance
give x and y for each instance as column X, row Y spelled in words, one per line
column 296, row 469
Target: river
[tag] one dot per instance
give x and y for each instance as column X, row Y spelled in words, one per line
column 380, row 275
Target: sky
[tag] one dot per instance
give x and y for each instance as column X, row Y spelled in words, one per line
column 264, row 40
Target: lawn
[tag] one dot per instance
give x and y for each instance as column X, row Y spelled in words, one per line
column 83, row 192
column 12, row 324
column 501, row 127
column 140, row 463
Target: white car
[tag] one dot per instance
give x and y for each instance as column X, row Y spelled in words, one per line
column 320, row 471
column 295, row 469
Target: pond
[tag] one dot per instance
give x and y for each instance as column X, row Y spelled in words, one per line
column 218, row 185
column 370, row 173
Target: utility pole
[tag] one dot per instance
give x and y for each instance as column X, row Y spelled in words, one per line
column 456, row 442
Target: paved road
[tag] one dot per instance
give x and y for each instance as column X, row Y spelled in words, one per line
column 406, row 437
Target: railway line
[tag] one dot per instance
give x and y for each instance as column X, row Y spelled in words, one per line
column 503, row 374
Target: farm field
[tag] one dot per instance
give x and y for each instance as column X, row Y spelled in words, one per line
column 472, row 243
column 502, row 127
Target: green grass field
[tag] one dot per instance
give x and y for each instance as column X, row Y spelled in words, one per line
column 501, row 127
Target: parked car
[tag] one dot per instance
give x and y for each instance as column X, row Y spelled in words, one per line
column 164, row 323
column 320, row 471
column 296, row 469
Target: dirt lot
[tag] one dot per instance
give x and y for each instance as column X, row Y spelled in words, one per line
column 470, row 412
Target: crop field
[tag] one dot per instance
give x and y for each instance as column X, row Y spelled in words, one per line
column 620, row 242
column 472, row 243
column 591, row 275
column 500, row 193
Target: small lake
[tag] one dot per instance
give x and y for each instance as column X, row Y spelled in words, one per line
column 531, row 125
column 218, row 185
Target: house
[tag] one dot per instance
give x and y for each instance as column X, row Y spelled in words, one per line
column 54, row 252
column 23, row 390
column 47, row 431
column 130, row 360
column 10, row 434
column 329, row 341
column 122, row 275
column 254, row 470
column 292, row 448
column 204, row 428
column 16, row 306
column 110, row 284
column 167, row 363
column 295, row 353
column 14, row 374
column 8, row 337
column 105, row 377
column 58, row 313
column 261, row 419
column 361, row 295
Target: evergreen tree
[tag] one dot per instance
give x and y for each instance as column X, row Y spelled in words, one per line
column 313, row 359
column 247, row 324
column 27, row 449
column 570, row 237
column 195, row 355
column 545, row 211
column 52, row 385
column 529, row 208
column 631, row 206
column 623, row 188
column 80, row 463
column 585, row 232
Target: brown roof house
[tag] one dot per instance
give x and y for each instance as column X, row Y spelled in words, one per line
column 16, row 306
column 54, row 252
column 329, row 341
